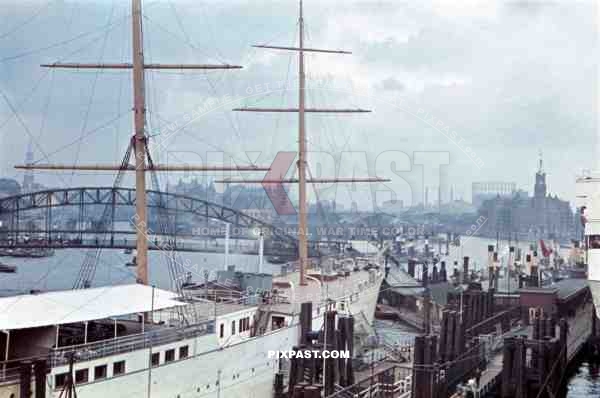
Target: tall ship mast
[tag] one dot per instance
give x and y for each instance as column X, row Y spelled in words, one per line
column 302, row 164
column 139, row 141
column 208, row 338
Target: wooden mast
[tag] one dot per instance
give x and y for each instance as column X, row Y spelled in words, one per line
column 302, row 163
column 303, row 238
column 139, row 119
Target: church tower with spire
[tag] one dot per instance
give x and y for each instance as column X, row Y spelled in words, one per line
column 28, row 176
column 540, row 181
column 539, row 199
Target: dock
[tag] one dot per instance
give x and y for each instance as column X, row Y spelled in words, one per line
column 513, row 346
column 534, row 355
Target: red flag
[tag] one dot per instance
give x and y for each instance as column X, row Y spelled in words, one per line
column 545, row 250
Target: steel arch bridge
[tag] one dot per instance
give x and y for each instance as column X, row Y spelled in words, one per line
column 14, row 209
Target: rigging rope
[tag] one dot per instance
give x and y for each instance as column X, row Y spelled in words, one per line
column 90, row 262
column 93, row 91
column 26, row 21
column 175, row 266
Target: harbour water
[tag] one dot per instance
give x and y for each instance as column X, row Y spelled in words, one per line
column 60, row 271
column 585, row 381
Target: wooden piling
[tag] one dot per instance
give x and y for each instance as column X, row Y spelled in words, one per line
column 426, row 381
column 411, row 267
column 443, row 335
column 293, row 374
column 277, row 385
column 519, row 368
column 443, row 272
column 451, row 330
column 350, row 348
column 418, row 367
column 507, row 387
column 305, row 322
column 25, row 379
column 459, row 338
column 40, row 369
column 342, row 337
column 330, row 345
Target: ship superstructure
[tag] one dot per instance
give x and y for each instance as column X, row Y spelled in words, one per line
column 128, row 340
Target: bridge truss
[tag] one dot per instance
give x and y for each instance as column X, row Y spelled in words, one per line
column 16, row 210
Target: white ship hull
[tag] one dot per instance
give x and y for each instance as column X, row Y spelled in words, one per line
column 594, row 276
column 241, row 369
column 588, row 200
column 595, row 289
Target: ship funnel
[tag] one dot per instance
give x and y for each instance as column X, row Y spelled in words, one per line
column 535, row 271
column 490, row 255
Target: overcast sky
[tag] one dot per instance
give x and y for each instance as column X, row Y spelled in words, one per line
column 485, row 85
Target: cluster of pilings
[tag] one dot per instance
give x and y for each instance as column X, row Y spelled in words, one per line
column 459, row 277
column 310, row 375
column 474, row 306
column 437, row 274
column 534, row 367
column 441, row 363
column 441, row 275
column 425, row 373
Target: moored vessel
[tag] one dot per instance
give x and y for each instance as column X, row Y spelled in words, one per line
column 588, row 201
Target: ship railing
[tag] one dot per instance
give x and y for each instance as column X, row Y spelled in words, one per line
column 394, row 381
column 120, row 345
column 9, row 376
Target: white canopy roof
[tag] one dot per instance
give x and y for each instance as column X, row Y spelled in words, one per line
column 70, row 306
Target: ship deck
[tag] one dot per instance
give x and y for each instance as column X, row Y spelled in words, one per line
column 290, row 294
column 340, row 278
column 318, row 288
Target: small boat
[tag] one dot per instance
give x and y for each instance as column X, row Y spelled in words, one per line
column 9, row 269
column 128, row 251
column 132, row 263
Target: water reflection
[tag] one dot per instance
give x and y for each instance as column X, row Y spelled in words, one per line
column 586, row 380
